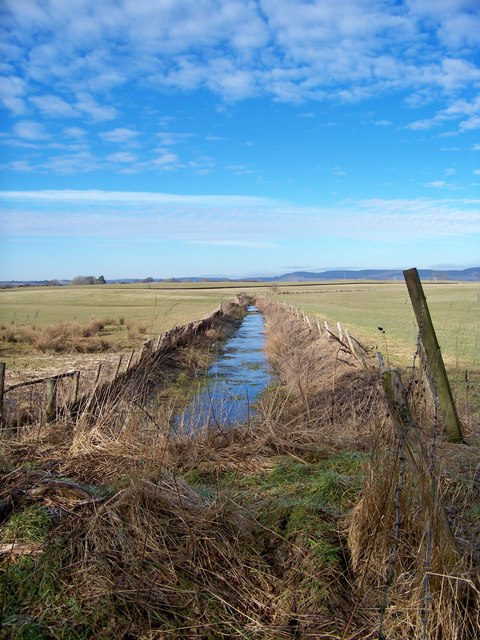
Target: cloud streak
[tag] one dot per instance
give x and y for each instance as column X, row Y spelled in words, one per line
column 229, row 220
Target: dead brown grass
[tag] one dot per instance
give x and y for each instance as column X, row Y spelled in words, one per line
column 63, row 337
column 161, row 559
column 184, row 563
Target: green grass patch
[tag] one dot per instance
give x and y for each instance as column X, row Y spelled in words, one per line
column 28, row 525
column 33, row 599
column 362, row 308
column 299, row 502
column 330, row 484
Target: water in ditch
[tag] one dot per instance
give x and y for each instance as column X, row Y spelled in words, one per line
column 235, row 380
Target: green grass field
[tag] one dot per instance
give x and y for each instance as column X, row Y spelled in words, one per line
column 158, row 309
column 362, row 308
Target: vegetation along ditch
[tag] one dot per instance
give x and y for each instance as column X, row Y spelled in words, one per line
column 305, row 522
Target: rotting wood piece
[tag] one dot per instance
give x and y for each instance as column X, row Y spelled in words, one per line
column 20, row 548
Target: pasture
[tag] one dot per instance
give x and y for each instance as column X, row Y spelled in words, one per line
column 363, row 308
column 137, row 311
column 143, row 514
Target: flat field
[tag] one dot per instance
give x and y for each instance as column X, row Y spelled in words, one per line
column 362, row 308
column 159, row 309
column 149, row 309
column 132, row 313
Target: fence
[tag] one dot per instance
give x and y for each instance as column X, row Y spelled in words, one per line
column 71, row 391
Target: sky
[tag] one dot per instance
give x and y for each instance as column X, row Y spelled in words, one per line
column 172, row 138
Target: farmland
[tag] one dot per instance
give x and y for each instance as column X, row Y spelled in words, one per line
column 362, row 308
column 119, row 523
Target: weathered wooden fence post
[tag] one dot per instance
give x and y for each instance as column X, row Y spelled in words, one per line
column 51, row 410
column 97, row 375
column 117, row 370
column 339, row 329
column 130, row 360
column 2, row 386
column 436, row 371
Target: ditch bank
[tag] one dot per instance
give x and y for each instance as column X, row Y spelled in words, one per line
column 74, row 392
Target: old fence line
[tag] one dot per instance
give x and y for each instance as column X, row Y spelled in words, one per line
column 150, row 354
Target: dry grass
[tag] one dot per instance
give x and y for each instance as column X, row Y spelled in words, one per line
column 62, row 337
column 300, row 524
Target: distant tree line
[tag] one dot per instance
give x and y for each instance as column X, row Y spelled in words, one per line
column 88, row 280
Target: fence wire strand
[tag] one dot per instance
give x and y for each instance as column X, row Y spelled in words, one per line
column 396, row 537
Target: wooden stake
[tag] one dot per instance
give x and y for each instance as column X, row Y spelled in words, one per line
column 436, row 371
column 2, row 386
column 76, row 384
column 51, row 410
column 130, row 360
column 358, row 353
column 97, row 375
column 118, row 366
column 339, row 329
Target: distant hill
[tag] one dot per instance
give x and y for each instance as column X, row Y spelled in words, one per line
column 464, row 275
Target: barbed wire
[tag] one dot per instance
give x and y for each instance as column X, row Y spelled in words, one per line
column 432, row 460
column 396, row 537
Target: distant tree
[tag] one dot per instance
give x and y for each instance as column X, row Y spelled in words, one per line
column 83, row 280
column 149, row 279
column 101, row 280
column 54, row 283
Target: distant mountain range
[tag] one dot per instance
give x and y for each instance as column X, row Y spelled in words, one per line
column 464, row 275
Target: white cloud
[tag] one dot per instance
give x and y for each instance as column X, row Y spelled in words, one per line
column 74, row 132
column 171, row 138
column 12, row 93
column 476, row 172
column 456, row 111
column 121, row 134
column 30, row 130
column 147, row 215
column 164, row 158
column 122, row 156
column 97, row 113
column 436, row 184
column 79, row 162
column 54, row 107
column 21, row 165
column 471, row 123
column 292, row 50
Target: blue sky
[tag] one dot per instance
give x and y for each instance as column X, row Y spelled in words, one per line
column 238, row 137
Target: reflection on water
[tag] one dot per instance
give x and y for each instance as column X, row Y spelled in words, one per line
column 236, row 379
